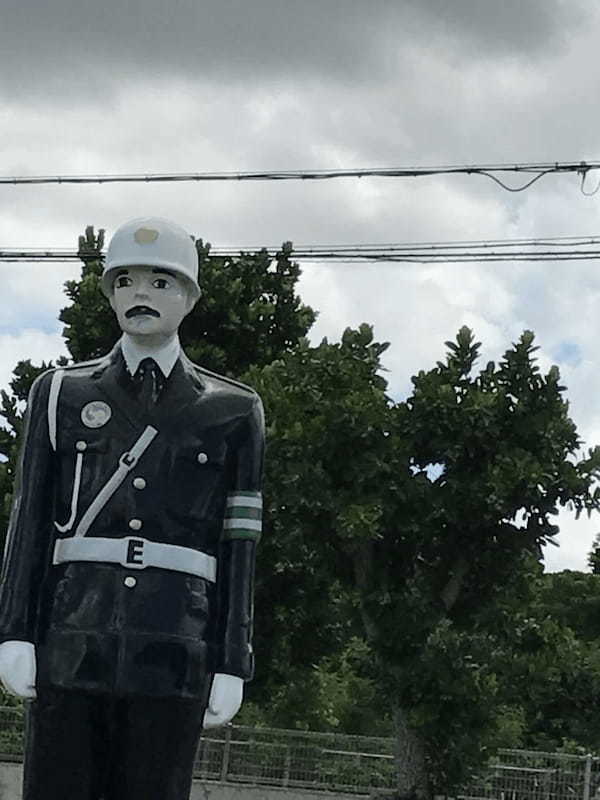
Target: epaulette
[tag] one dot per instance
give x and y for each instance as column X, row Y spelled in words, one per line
column 52, row 372
column 94, row 362
column 55, row 386
column 223, row 379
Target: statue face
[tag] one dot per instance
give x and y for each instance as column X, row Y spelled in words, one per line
column 150, row 302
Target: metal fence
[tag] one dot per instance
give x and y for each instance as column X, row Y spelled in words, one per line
column 296, row 759
column 532, row 775
column 358, row 765
column 11, row 733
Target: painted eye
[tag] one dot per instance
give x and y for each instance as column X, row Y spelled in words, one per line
column 160, row 283
column 122, row 281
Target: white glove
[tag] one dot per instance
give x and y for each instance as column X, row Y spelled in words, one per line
column 18, row 668
column 225, row 700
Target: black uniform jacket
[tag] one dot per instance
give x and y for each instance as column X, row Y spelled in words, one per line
column 111, row 628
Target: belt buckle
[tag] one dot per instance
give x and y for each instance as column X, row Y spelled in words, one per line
column 134, row 553
column 127, row 460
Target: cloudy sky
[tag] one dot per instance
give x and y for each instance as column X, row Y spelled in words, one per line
column 142, row 86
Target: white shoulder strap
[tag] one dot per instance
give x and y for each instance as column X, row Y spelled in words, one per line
column 53, row 405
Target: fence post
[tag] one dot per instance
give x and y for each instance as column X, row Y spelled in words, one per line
column 287, row 766
column 587, row 778
column 226, row 752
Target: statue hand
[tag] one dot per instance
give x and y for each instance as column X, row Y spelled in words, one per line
column 225, row 700
column 18, row 668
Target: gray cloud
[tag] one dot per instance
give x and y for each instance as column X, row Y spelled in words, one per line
column 232, row 39
column 510, row 26
column 80, row 47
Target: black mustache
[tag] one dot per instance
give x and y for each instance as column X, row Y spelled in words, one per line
column 137, row 310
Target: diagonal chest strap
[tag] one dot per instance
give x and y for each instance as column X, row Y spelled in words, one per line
column 126, row 463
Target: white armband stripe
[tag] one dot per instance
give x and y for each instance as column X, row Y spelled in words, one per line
column 248, row 500
column 247, row 524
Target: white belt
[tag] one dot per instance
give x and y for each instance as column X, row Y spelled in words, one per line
column 135, row 553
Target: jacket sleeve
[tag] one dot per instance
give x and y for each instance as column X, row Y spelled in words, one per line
column 241, row 532
column 28, row 539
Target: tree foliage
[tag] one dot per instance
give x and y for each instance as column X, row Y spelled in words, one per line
column 552, row 675
column 399, row 581
column 425, row 516
column 594, row 556
column 327, row 442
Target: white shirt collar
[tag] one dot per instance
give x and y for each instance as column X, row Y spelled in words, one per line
column 165, row 356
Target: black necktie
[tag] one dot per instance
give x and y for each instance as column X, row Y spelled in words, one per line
column 148, row 380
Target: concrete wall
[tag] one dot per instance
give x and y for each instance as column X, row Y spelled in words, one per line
column 11, row 779
column 228, row 791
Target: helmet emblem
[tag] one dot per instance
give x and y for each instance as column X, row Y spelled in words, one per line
column 95, row 414
column 145, row 235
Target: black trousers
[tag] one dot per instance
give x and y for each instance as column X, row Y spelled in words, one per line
column 83, row 746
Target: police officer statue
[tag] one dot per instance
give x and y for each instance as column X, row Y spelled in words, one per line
column 126, row 591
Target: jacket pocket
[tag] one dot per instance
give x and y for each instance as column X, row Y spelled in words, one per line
column 198, row 600
column 197, row 479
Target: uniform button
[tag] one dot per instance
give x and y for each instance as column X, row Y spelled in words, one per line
column 202, row 458
column 130, row 581
column 139, row 483
column 81, row 446
column 135, row 524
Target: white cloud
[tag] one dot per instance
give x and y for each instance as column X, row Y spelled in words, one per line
column 574, row 542
column 27, row 344
column 33, row 295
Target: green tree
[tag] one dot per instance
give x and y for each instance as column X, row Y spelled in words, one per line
column 401, row 538
column 327, row 417
column 594, row 556
column 554, row 670
column 572, row 599
column 12, row 405
column 508, row 454
column 423, row 563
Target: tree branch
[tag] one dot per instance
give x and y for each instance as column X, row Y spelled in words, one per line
column 363, row 570
column 452, row 589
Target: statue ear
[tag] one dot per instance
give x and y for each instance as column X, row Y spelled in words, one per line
column 191, row 302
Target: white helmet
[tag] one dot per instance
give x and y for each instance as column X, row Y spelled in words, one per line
column 152, row 242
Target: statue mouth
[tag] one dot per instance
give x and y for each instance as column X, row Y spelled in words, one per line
column 138, row 311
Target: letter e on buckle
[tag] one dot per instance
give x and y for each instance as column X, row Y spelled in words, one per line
column 135, row 553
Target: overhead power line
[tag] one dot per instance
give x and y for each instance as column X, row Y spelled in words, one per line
column 571, row 248
column 492, row 171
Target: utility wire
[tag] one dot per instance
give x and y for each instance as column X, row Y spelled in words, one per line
column 569, row 248
column 492, row 171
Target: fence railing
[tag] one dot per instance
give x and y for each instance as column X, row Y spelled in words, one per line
column 297, row 759
column 360, row 765
column 533, row 775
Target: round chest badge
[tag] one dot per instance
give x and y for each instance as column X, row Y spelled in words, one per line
column 95, row 414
